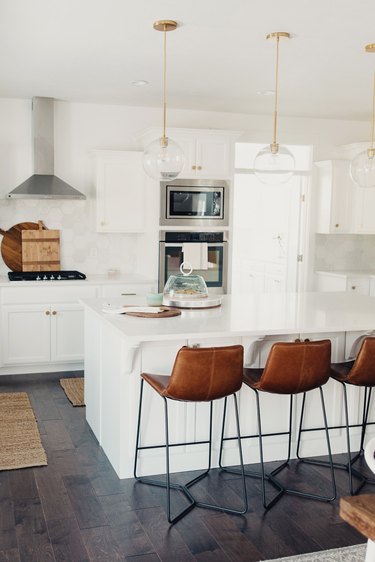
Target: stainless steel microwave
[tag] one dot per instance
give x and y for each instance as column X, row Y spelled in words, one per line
column 190, row 203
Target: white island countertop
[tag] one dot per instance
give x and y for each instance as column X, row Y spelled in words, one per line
column 248, row 315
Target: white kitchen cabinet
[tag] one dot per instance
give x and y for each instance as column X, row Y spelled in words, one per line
column 39, row 333
column 120, row 191
column 327, row 281
column 334, row 197
column 42, row 325
column 209, row 153
column 363, row 210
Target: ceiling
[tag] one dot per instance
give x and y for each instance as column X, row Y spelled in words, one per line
column 92, row 50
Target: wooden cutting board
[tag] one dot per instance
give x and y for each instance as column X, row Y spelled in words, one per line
column 11, row 245
column 40, row 249
column 166, row 313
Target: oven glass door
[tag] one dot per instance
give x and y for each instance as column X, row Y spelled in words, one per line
column 172, row 256
column 195, row 203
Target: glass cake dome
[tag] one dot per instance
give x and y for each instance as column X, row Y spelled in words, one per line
column 185, row 286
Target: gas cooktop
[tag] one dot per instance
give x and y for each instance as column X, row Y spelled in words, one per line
column 45, row 275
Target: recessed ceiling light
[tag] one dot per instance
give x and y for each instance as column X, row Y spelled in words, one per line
column 139, row 83
column 265, row 92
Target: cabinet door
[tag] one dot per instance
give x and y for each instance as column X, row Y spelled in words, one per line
column 188, row 146
column 213, row 157
column 364, row 208
column 334, row 197
column 66, row 332
column 25, row 333
column 120, row 191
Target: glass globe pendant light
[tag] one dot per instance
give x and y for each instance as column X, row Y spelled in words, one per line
column 274, row 164
column 163, row 158
column 362, row 167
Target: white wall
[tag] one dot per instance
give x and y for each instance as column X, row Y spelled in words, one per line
column 82, row 128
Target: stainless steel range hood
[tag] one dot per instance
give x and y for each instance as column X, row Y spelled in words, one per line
column 44, row 184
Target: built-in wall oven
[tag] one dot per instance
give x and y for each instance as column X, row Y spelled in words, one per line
column 194, row 203
column 208, row 252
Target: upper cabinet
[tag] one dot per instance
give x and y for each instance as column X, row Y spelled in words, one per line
column 120, row 191
column 342, row 206
column 208, row 153
column 334, row 197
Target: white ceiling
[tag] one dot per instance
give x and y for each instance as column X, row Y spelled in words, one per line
column 91, row 51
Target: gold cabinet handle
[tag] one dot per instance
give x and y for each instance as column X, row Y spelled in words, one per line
column 199, row 167
column 193, row 167
column 54, row 312
column 47, row 312
column 354, row 287
column 337, row 225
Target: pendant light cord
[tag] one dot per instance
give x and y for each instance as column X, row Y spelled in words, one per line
column 164, row 138
column 373, row 115
column 276, row 92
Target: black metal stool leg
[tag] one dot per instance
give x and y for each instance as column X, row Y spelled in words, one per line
column 184, row 488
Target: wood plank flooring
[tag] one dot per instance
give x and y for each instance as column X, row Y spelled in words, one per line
column 77, row 510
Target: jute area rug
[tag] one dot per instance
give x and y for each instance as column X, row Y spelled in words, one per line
column 20, row 444
column 354, row 553
column 74, row 390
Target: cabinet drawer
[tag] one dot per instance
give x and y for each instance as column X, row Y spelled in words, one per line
column 72, row 293
column 124, row 290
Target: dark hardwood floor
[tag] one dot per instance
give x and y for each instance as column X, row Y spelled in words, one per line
column 76, row 509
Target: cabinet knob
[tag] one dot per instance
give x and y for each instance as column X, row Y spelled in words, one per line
column 48, row 312
column 337, row 225
column 199, row 167
column 354, row 287
column 54, row 312
column 193, row 167
column 102, row 223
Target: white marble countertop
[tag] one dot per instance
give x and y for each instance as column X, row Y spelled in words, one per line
column 252, row 315
column 98, row 279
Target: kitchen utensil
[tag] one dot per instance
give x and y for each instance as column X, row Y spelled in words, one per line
column 40, row 249
column 11, row 244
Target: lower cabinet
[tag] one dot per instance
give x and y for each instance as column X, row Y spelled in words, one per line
column 326, row 281
column 39, row 333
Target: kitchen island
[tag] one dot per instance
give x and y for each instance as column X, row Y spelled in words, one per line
column 119, row 347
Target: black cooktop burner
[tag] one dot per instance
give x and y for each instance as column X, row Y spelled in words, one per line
column 45, row 275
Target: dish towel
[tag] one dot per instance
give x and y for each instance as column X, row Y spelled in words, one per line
column 196, row 254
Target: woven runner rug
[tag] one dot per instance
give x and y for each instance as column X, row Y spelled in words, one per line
column 74, row 389
column 354, row 553
column 20, row 444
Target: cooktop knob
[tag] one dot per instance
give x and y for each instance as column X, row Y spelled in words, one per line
column 59, row 277
column 45, row 277
column 52, row 277
column 37, row 278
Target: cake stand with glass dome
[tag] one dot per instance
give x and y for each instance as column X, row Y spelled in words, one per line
column 188, row 291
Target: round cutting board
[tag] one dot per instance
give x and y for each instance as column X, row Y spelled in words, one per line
column 166, row 313
column 11, row 245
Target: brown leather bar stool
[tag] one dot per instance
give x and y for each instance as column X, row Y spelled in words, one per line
column 291, row 368
column 361, row 373
column 198, row 375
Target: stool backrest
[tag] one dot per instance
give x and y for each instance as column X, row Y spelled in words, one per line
column 294, row 367
column 363, row 370
column 204, row 374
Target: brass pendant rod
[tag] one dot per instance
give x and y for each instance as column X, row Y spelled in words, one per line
column 373, row 114
column 276, row 91
column 165, row 85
